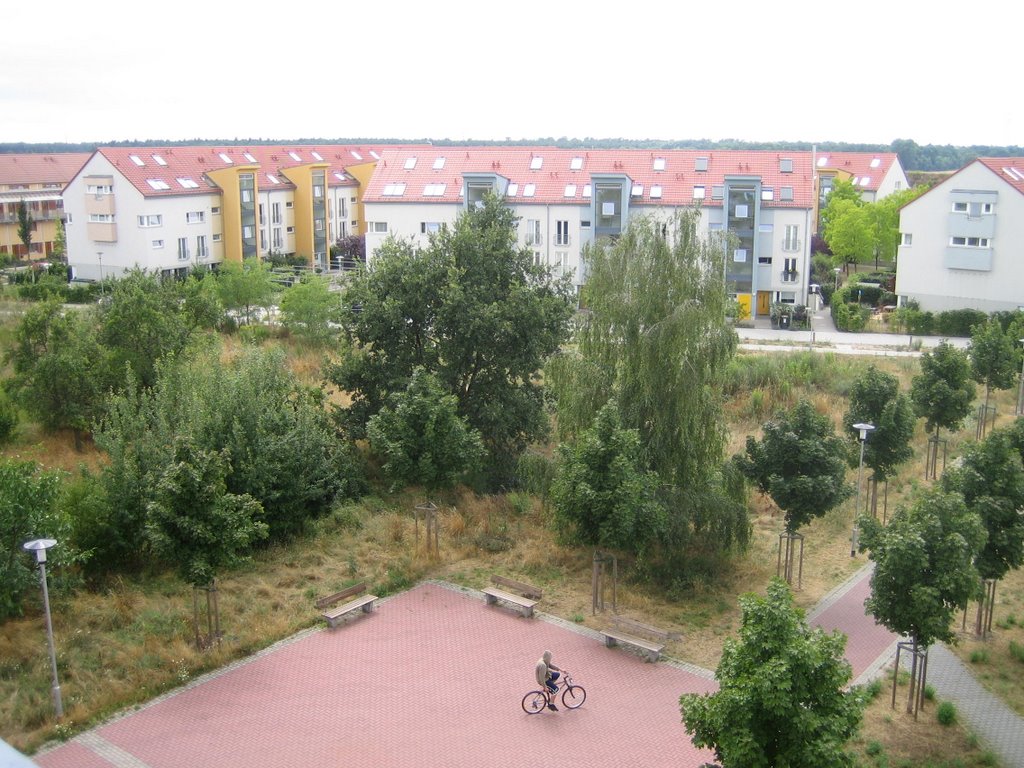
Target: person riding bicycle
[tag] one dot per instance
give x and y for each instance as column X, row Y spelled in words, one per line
column 547, row 677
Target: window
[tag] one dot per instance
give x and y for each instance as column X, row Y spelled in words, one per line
column 158, row 184
column 529, row 190
column 378, row 227
column 970, row 242
column 318, row 190
column 637, row 190
column 137, row 160
column 216, row 237
column 655, row 191
column 717, row 191
column 429, row 227
column 907, row 238
column 248, row 232
column 201, row 250
column 767, row 194
column 789, row 270
column 659, row 163
column 438, row 163
column 215, row 211
column 188, row 183
column 393, row 190
column 700, row 164
column 434, row 190
column 570, row 190
column 182, row 249
column 275, row 213
column 791, row 242
column 159, row 160
column 99, row 189
column 785, row 165
column 246, row 195
column 289, row 230
column 262, row 217
column 195, row 217
column 959, row 207
column 101, row 218
column 698, row 193
column 576, row 164
column 158, row 243
column 533, row 232
column 561, row 233
column 291, row 203
column 278, row 238
column 536, row 163
column 410, row 163
column 152, row 220
column 512, row 190
column 786, row 193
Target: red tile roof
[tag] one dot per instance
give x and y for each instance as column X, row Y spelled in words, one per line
column 33, row 169
column 553, row 171
column 170, row 164
column 1009, row 169
column 868, row 168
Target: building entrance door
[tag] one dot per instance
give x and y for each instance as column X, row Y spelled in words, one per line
column 764, row 301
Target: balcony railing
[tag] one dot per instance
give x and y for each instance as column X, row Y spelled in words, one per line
column 791, row 245
column 562, row 239
column 790, row 276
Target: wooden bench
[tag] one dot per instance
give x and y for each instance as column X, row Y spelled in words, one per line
column 527, row 596
column 334, row 614
column 626, row 631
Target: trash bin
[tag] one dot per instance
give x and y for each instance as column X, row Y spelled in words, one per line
column 784, row 322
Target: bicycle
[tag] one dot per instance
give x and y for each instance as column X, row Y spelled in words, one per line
column 573, row 696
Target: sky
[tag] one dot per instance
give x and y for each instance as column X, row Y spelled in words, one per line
column 789, row 70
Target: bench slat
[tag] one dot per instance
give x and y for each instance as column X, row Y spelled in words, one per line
column 334, row 614
column 645, row 629
column 491, row 594
column 612, row 637
column 355, row 589
column 528, row 590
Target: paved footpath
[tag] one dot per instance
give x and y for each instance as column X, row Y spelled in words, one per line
column 434, row 678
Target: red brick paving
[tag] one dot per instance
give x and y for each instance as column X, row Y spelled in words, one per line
column 432, row 678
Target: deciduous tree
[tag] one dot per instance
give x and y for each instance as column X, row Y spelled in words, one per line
column 310, row 310
column 993, row 358
column 783, row 697
column 942, row 392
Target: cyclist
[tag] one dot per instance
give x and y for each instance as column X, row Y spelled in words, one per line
column 547, row 676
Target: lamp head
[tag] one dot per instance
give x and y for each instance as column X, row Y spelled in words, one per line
column 864, row 429
column 39, row 546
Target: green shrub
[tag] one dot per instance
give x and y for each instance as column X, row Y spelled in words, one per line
column 979, row 656
column 874, row 748
column 1017, row 651
column 958, row 322
column 946, row 713
column 8, row 418
column 850, row 317
column 873, row 689
column 929, row 692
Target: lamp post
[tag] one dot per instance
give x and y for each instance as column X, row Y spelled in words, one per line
column 864, row 430
column 39, row 546
column 99, row 255
column 1020, row 390
column 837, row 270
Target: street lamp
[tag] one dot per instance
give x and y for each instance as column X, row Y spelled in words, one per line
column 1020, row 391
column 99, row 255
column 864, row 430
column 39, row 546
column 837, row 270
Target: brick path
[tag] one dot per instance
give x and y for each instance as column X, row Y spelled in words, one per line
column 434, row 678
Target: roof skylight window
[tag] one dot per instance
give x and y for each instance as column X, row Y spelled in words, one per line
column 655, row 191
column 767, row 193
column 137, row 160
column 356, row 155
column 786, row 165
column 317, row 156
column 637, row 191
column 159, row 160
column 576, row 163
column 875, row 162
column 529, row 189
column 248, row 156
column 536, row 163
column 158, row 184
column 410, row 163
column 786, row 193
column 586, row 190
column 434, row 190
column 294, row 156
column 570, row 190
column 823, row 161
column 273, row 179
column 699, row 192
column 865, row 180
column 513, row 190
column 340, row 176
column 700, row 164
column 393, row 190
column 659, row 163
column 374, row 155
column 226, row 159
column 188, row 183
column 438, row 163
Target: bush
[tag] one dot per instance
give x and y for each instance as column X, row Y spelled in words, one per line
column 946, row 713
column 8, row 418
column 958, row 322
column 849, row 317
column 914, row 321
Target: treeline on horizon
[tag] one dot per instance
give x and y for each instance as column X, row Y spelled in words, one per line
column 913, row 156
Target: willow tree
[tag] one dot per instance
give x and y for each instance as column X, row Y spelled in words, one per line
column 653, row 336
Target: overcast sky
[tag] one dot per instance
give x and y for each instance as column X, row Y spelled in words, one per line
column 789, row 70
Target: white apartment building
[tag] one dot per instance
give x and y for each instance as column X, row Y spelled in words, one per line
column 962, row 242
column 566, row 198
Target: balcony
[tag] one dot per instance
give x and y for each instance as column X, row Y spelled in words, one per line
column 790, row 276
column 562, row 239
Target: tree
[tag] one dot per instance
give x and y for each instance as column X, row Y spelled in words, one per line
column 885, row 218
column 849, row 231
column 26, row 226
column 472, row 309
column 990, row 477
column 602, row 495
column 60, row 242
column 59, row 368
column 28, row 510
column 245, row 286
column 924, row 570
column 993, row 359
column 942, row 392
column 653, row 336
column 201, row 304
column 141, row 323
column 350, row 251
column 800, row 462
column 783, row 698
column 422, row 438
column 194, row 522
column 310, row 309
column 875, row 398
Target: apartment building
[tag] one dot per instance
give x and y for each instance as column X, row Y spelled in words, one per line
column 962, row 242
column 169, row 209
column 36, row 179
column 567, row 198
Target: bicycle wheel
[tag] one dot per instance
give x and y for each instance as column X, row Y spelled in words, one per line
column 574, row 696
column 534, row 702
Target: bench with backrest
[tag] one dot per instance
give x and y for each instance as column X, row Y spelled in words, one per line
column 523, row 596
column 627, row 631
column 333, row 613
